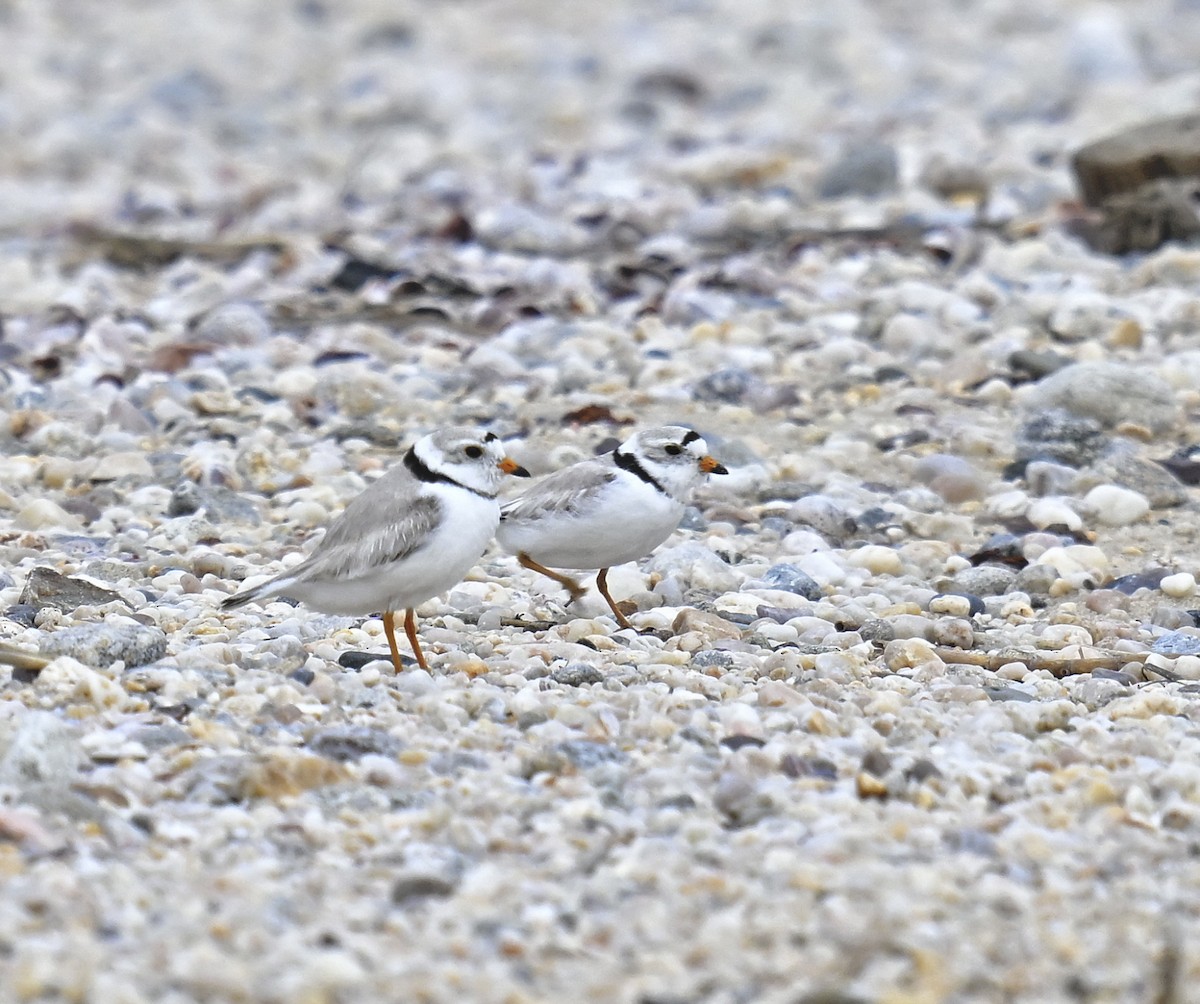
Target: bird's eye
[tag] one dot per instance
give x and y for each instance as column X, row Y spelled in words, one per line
column 673, row 449
column 474, row 452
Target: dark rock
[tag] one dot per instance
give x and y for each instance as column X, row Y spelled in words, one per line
column 1058, row 435
column 1184, row 464
column 1130, row 584
column 1005, row 548
column 1036, row 365
column 577, row 674
column 1165, row 148
column 902, row 440
column 302, row 676
column 351, row 742
column 1119, row 675
column 874, row 519
column 794, row 765
column 1009, row 694
column 47, row 588
column 735, row 743
column 356, row 273
column 22, row 613
column 779, row 615
column 407, row 888
column 876, row 763
column 356, row 660
column 922, row 770
column 791, row 579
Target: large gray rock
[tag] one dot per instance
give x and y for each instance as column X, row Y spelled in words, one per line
column 1111, row 393
column 100, row 645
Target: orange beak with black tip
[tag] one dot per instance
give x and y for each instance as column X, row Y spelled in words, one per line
column 710, row 465
column 510, row 466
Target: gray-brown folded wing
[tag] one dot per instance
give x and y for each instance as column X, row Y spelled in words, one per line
column 571, row 490
column 376, row 529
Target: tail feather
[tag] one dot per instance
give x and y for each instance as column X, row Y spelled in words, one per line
column 241, row 599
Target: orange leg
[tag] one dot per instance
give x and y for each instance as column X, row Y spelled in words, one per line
column 389, row 628
column 574, row 588
column 602, row 585
column 410, row 629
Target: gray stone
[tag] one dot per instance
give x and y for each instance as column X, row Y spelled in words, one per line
column 219, row 504
column 867, row 168
column 100, row 645
column 1110, row 393
column 1121, row 465
column 351, row 742
column 1056, row 434
column 47, row 588
column 791, row 579
column 1181, row 642
column 729, row 386
column 823, row 514
column 986, row 580
column 1035, row 580
column 577, row 674
column 712, row 657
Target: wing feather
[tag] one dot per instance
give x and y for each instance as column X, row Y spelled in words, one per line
column 375, row 529
column 570, row 490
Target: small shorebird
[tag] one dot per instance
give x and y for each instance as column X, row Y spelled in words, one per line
column 411, row 535
column 607, row 510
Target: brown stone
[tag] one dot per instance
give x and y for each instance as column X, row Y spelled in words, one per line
column 1161, row 149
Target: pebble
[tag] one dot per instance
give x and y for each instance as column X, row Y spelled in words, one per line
column 985, row 580
column 1053, row 512
column 1179, row 585
column 44, row 587
column 1057, row 435
column 1115, row 506
column 875, row 558
column 952, row 604
column 43, row 514
column 100, row 645
column 1182, row 642
column 821, row 513
column 791, row 579
column 1111, row 393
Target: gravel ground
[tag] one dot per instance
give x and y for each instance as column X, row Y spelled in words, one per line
column 913, row 713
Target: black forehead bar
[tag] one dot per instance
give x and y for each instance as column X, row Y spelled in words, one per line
column 690, row 436
column 490, row 437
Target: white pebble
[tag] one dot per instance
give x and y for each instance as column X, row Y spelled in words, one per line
column 1116, row 506
column 42, row 514
column 876, row 559
column 1053, row 512
column 955, row 606
column 1179, row 585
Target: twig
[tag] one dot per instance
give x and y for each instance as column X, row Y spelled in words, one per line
column 1055, row 664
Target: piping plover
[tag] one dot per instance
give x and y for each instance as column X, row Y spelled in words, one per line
column 607, row 510
column 411, row 535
